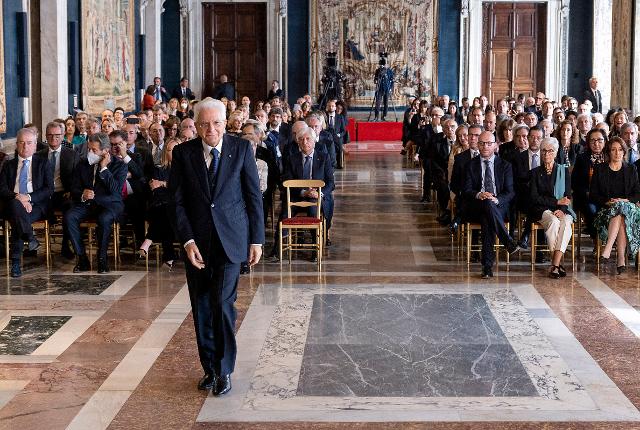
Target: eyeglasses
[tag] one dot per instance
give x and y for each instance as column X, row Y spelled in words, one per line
column 51, row 136
column 212, row 124
column 547, row 151
column 601, row 140
column 474, row 134
column 486, row 143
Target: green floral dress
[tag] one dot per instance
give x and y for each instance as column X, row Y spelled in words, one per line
column 631, row 214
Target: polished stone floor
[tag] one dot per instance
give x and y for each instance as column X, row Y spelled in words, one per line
column 395, row 331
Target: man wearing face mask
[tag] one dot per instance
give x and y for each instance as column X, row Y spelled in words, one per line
column 97, row 194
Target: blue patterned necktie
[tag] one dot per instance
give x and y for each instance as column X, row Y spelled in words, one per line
column 24, row 177
column 534, row 161
column 306, row 167
column 213, row 167
column 488, row 178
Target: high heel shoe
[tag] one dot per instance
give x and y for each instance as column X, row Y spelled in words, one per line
column 621, row 269
column 554, row 273
column 142, row 254
column 169, row 265
column 562, row 271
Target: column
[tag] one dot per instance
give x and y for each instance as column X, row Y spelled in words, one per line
column 151, row 26
column 602, row 42
column 54, row 59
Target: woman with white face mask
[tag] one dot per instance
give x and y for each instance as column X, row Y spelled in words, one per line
column 184, row 109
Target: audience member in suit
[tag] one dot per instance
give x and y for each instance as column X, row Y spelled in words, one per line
column 278, row 135
column 161, row 228
column 425, row 150
column 183, row 91
column 135, row 189
column 224, row 89
column 551, row 203
column 324, row 138
column 629, row 133
column 218, row 217
column 593, row 95
column 488, row 189
column 456, row 185
column 139, row 153
column 26, row 186
column 310, row 164
column 509, row 150
column 160, row 93
column 188, row 129
column 584, row 123
column 615, row 190
column 567, row 135
column 441, row 145
column 582, row 174
column 275, row 90
column 97, row 194
column 63, row 162
column 93, row 127
column 337, row 126
column 523, row 163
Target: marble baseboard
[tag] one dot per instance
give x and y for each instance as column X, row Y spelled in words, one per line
column 272, row 340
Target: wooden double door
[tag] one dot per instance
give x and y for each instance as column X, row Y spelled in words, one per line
column 235, row 44
column 513, row 49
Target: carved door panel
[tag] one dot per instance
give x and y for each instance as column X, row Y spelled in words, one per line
column 513, row 49
column 235, row 39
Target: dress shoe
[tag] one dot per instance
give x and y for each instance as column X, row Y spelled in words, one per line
column 83, row 264
column 513, row 247
column 524, row 243
column 554, row 273
column 222, row 386
column 487, row 273
column 244, row 268
column 16, row 271
column 620, row 270
column 453, row 227
column 67, row 253
column 103, row 266
column 562, row 271
column 34, row 244
column 207, row 382
column 541, row 258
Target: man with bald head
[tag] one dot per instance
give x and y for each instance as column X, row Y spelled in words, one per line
column 488, row 189
column 187, row 129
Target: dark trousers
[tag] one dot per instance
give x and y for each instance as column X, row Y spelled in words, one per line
column 382, row 97
column 439, row 178
column 491, row 218
column 338, row 147
column 135, row 208
column 104, row 216
column 213, row 292
column 21, row 221
column 60, row 203
column 426, row 176
column 160, row 230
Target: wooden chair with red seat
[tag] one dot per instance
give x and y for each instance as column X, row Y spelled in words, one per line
column 301, row 223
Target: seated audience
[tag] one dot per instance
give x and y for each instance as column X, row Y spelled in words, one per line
column 187, row 129
column 567, row 135
column 551, row 203
column 615, row 191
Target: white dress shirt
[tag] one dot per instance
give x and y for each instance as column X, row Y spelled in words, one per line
column 531, row 157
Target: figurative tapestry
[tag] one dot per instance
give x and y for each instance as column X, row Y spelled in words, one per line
column 358, row 30
column 3, row 98
column 108, row 78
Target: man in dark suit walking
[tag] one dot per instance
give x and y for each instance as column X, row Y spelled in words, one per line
column 26, row 186
column 183, row 91
column 224, row 89
column 97, row 193
column 488, row 189
column 63, row 162
column 337, row 126
column 593, row 94
column 219, row 219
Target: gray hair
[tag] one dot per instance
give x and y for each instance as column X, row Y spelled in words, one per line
column 209, row 103
column 102, row 139
column 307, row 131
column 583, row 116
column 318, row 116
column 550, row 141
column 519, row 127
column 627, row 125
column 54, row 124
column 26, row 131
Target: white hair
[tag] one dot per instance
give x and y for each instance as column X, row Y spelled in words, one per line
column 552, row 142
column 307, row 131
column 209, row 103
column 583, row 116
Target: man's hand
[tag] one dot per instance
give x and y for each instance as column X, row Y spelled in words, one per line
column 485, row 195
column 154, row 183
column 559, row 214
column 122, row 149
column 193, row 253
column 23, row 198
column 106, row 159
column 311, row 193
column 255, row 252
column 565, row 201
column 88, row 195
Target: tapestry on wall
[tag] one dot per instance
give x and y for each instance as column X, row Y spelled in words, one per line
column 3, row 98
column 358, row 30
column 108, row 78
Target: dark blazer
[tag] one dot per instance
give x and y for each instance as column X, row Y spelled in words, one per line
column 277, row 93
column 508, row 151
column 596, row 100
column 542, row 192
column 503, row 180
column 160, row 196
column 321, row 169
column 569, row 158
column 138, row 180
column 603, row 187
column 522, row 178
column 339, row 127
column 107, row 186
column 224, row 90
column 41, row 180
column 177, row 93
column 460, row 162
column 580, row 181
column 68, row 161
column 440, row 151
column 234, row 209
column 143, row 157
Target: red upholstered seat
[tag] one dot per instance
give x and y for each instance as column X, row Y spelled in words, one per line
column 298, row 220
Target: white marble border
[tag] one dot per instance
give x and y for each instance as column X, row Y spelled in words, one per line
column 585, row 391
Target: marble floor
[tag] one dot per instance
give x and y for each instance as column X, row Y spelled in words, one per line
column 395, row 332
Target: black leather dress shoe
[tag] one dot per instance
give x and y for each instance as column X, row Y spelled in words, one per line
column 83, row 264
column 103, row 266
column 207, row 382
column 244, row 268
column 16, row 271
column 67, row 253
column 513, row 247
column 487, row 273
column 223, row 385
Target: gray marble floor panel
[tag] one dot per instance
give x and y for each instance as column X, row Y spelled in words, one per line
column 24, row 334
column 58, row 285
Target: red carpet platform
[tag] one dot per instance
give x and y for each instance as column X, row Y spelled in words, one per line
column 380, row 131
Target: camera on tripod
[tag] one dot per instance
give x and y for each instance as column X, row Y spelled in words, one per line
column 331, row 80
column 382, row 60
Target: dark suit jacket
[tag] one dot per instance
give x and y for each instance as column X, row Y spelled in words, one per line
column 580, row 181
column 41, row 180
column 439, row 152
column 277, row 93
column 107, row 186
column 603, row 187
column 68, row 161
column 321, row 169
column 460, row 162
column 569, row 158
column 503, row 180
column 224, row 90
column 339, row 128
column 138, row 180
column 234, row 209
column 177, row 93
column 596, row 100
column 542, row 192
column 522, row 177
column 507, row 151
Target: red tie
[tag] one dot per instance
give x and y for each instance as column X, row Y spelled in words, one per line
column 124, row 191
